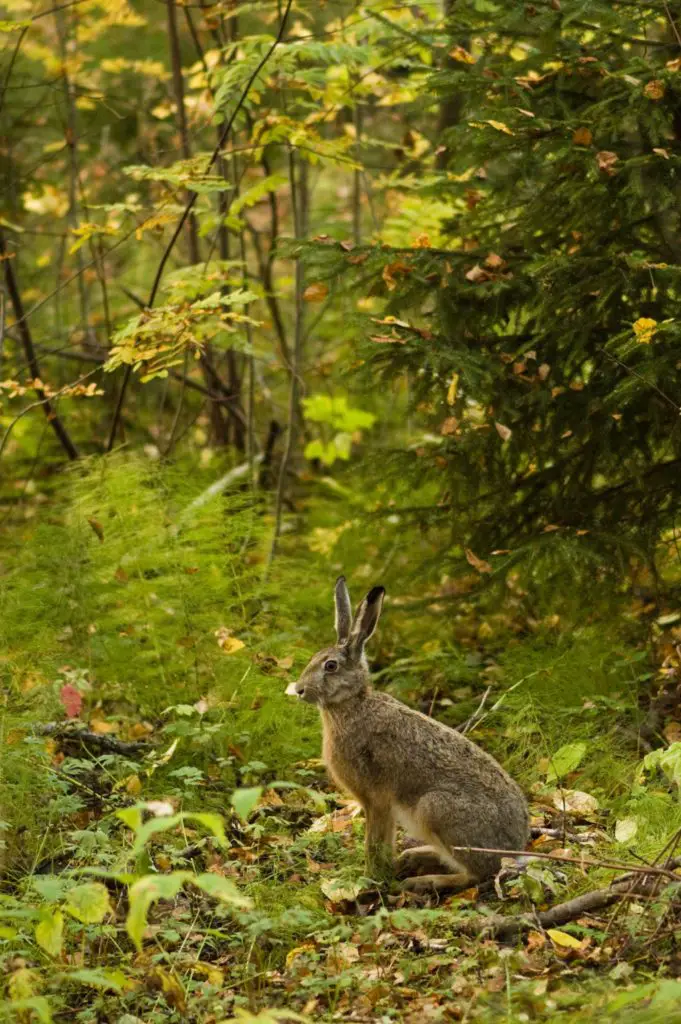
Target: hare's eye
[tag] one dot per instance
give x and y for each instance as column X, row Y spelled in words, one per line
column 330, row 665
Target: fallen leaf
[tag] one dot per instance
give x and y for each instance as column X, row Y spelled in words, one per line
column 543, row 371
column 564, row 939
column 337, row 890
column 503, row 431
column 494, row 261
column 626, row 829
column 478, row 563
column 574, row 801
column 71, row 699
column 387, row 339
column 315, row 292
column 226, row 642
column 449, row 426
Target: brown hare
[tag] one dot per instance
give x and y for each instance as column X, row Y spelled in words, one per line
column 407, row 769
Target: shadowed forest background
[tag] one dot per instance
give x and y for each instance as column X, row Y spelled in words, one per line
column 293, row 289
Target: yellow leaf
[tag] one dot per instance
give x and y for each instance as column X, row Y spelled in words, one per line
column 500, row 127
column 645, row 329
column 293, row 954
column 563, row 939
column 463, row 56
column 453, row 388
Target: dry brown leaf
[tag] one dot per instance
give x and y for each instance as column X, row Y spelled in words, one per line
column 478, row 563
column 315, row 292
column 449, row 426
column 606, row 161
column 503, row 431
column 582, row 137
column 494, row 261
column 654, row 90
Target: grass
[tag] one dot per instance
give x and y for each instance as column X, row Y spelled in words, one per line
column 166, row 625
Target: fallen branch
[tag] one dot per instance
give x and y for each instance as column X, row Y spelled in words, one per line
column 507, row 927
column 101, row 742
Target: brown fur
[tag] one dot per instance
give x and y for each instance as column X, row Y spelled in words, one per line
column 405, row 768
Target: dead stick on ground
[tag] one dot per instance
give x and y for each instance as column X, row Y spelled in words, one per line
column 587, row 903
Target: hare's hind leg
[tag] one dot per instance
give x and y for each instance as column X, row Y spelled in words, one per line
column 379, row 841
column 443, row 820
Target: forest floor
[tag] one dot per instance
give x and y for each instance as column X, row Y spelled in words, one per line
column 173, row 849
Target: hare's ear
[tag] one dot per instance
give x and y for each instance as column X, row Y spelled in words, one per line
column 343, row 611
column 366, row 620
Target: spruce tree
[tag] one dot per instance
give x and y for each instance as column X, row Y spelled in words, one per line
column 540, row 328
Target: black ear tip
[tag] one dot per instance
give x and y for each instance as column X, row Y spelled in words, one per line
column 341, row 579
column 375, row 594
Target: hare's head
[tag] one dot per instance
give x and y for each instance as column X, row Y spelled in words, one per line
column 341, row 672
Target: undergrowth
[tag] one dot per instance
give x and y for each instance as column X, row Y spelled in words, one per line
column 154, row 620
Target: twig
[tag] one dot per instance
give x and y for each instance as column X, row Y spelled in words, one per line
column 107, row 744
column 470, row 722
column 634, row 869
column 190, row 206
column 506, row 927
column 31, row 358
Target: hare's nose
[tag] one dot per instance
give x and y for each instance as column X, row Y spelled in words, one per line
column 295, row 690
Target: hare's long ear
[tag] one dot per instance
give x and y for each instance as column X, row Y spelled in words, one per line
column 343, row 611
column 366, row 620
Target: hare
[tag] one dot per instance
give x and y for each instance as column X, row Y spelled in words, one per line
column 407, row 769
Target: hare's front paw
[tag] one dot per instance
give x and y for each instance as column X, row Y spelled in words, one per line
column 418, row 860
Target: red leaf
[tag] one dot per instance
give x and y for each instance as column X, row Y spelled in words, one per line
column 71, row 699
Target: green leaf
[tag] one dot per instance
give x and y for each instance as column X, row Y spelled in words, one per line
column 109, row 980
column 566, row 760
column 49, row 887
column 314, row 450
column 88, row 902
column 222, row 889
column 130, row 816
column 244, row 800
column 38, row 1004
column 146, row 891
column 49, row 932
